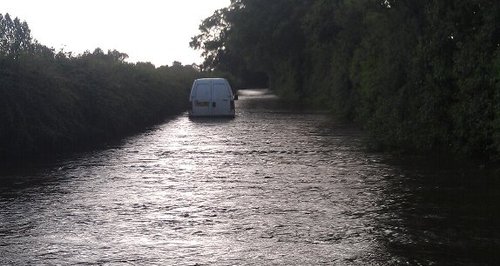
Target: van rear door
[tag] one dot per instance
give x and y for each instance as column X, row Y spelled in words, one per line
column 202, row 99
column 221, row 98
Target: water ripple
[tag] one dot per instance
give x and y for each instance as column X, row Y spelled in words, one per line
column 269, row 187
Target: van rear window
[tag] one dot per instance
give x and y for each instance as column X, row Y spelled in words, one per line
column 203, row 92
column 221, row 91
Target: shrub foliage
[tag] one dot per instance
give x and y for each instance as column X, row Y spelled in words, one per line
column 52, row 102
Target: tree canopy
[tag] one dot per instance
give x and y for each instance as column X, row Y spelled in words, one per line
column 417, row 75
column 15, row 36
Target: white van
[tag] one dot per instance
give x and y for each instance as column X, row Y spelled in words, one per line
column 211, row 97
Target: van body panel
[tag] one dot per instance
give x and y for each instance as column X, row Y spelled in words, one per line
column 211, row 97
column 221, row 97
column 202, row 95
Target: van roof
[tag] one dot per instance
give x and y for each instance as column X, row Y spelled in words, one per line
column 211, row 79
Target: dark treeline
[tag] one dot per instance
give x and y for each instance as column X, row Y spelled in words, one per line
column 419, row 76
column 54, row 101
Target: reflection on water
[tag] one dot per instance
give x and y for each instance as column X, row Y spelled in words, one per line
column 442, row 213
column 268, row 187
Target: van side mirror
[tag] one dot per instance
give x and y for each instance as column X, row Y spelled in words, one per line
column 235, row 97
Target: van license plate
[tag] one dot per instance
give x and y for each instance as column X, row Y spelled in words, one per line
column 202, row 104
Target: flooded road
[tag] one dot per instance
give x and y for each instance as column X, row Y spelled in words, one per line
column 270, row 187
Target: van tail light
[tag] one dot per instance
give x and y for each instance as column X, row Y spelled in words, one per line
column 232, row 105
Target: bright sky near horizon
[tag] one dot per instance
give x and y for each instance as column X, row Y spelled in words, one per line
column 153, row 31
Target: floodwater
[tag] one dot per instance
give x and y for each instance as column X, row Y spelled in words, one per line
column 270, row 187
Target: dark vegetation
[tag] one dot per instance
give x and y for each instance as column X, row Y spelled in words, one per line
column 54, row 101
column 419, row 76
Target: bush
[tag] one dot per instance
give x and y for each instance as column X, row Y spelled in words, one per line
column 58, row 102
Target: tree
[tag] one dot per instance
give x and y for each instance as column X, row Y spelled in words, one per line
column 417, row 75
column 15, row 36
column 252, row 37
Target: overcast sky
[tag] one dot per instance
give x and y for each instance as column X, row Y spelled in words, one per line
column 156, row 31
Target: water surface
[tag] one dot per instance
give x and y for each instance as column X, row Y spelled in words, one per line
column 270, row 187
